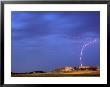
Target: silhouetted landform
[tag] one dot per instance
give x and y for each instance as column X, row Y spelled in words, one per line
column 37, row 72
column 64, row 71
column 29, row 72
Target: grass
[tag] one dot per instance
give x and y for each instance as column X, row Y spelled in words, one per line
column 81, row 73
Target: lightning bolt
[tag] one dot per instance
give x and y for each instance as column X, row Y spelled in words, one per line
column 82, row 49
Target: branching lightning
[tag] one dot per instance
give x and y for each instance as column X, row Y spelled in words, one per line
column 82, row 49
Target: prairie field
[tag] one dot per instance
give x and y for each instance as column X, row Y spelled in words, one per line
column 81, row 73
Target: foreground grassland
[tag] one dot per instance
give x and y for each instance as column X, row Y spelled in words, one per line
column 61, row 74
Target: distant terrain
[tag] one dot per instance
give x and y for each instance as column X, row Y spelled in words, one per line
column 62, row 72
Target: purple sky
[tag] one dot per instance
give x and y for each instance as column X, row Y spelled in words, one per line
column 49, row 40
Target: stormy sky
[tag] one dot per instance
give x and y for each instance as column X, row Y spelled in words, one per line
column 46, row 40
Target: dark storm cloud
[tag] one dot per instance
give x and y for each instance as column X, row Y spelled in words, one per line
column 32, row 24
